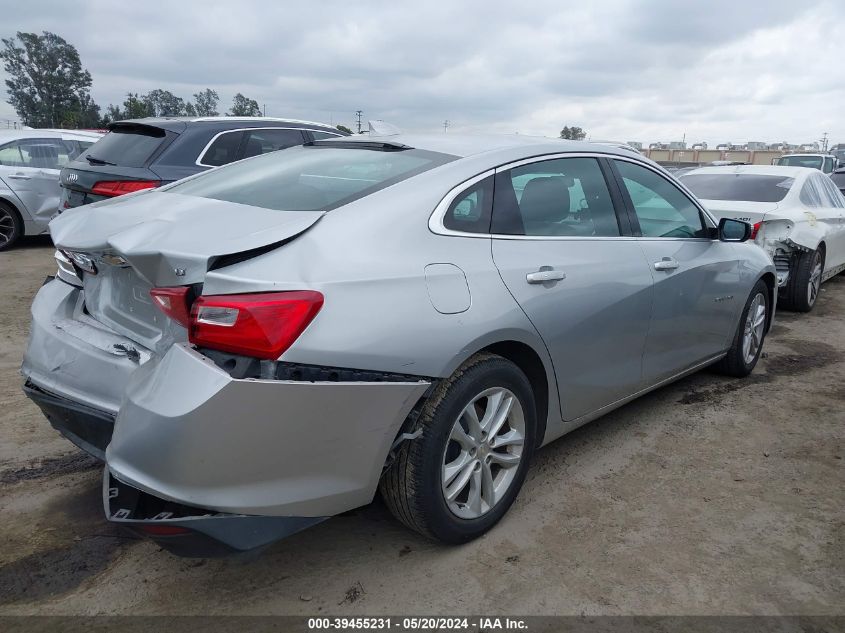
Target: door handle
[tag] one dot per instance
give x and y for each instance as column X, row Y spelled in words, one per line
column 667, row 263
column 20, row 176
column 542, row 276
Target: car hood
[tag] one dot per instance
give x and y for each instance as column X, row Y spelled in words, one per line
column 740, row 210
column 172, row 239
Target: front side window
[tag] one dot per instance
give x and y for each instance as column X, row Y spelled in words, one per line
column 661, row 208
column 309, row 178
column 560, row 197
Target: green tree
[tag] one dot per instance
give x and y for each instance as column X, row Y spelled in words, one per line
column 573, row 133
column 206, row 102
column 243, row 106
column 343, row 128
column 47, row 84
column 164, row 103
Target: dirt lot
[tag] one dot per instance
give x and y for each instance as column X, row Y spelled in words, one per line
column 709, row 496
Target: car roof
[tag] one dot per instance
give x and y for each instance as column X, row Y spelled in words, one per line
column 70, row 135
column 760, row 170
column 465, row 145
column 178, row 122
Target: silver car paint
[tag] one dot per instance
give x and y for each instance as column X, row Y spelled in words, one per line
column 188, row 432
column 35, row 191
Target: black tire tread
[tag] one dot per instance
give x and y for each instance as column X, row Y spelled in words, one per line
column 733, row 364
column 16, row 218
column 398, row 484
column 794, row 296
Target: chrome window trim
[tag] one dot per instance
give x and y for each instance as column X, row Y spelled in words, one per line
column 436, row 226
column 198, row 162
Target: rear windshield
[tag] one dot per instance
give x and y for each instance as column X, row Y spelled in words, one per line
column 813, row 162
column 744, row 187
column 309, row 178
column 838, row 179
column 127, row 147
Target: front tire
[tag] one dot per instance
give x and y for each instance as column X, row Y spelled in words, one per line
column 803, row 288
column 11, row 226
column 458, row 479
column 747, row 344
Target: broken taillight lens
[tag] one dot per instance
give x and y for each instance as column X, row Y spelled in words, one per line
column 174, row 302
column 261, row 325
column 112, row 188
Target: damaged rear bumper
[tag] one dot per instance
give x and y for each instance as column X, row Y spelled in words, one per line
column 190, row 531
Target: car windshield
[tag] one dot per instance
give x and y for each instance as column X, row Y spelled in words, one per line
column 310, row 178
column 744, row 187
column 814, row 162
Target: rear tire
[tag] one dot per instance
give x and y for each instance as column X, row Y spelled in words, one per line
column 456, row 481
column 802, row 289
column 750, row 334
column 11, row 226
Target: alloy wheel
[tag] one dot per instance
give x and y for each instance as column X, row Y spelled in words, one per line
column 7, row 226
column 815, row 279
column 755, row 324
column 483, row 453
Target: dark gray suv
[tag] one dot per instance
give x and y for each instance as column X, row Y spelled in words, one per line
column 145, row 153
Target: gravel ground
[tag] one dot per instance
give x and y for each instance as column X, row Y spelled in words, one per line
column 709, row 496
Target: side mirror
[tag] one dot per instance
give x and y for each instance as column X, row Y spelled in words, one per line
column 731, row 230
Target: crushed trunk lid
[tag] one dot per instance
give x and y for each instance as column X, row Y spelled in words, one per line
column 171, row 239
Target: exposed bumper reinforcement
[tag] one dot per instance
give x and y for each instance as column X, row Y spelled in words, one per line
column 90, row 429
column 189, row 531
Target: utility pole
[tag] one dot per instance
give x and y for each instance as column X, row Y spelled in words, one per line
column 823, row 140
column 358, row 114
column 265, row 109
column 446, row 126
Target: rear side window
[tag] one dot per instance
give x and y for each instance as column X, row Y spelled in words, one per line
column 661, row 208
column 560, row 197
column 323, row 135
column 470, row 210
column 309, row 178
column 743, row 187
column 128, row 146
column 811, row 195
column 263, row 141
column 39, row 153
column 223, row 150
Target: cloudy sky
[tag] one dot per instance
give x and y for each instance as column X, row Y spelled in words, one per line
column 641, row 70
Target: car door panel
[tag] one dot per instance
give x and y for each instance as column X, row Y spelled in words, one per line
column 593, row 321
column 585, row 287
column 696, row 304
column 697, row 279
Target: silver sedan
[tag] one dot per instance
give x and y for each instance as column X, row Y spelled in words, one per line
column 259, row 347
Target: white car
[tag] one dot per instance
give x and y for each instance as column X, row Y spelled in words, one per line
column 30, row 162
column 824, row 162
column 798, row 216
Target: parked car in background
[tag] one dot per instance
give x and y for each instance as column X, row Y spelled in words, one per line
column 838, row 153
column 838, row 178
column 284, row 335
column 30, row 161
column 798, row 216
column 825, row 163
column 145, row 153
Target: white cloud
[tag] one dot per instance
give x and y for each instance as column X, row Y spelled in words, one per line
column 623, row 69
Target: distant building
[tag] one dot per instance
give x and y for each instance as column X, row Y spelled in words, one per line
column 756, row 145
column 701, row 145
column 636, row 145
column 677, row 145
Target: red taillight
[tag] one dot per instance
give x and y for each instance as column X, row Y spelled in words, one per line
column 113, row 188
column 174, row 302
column 259, row 325
column 754, row 230
column 162, row 530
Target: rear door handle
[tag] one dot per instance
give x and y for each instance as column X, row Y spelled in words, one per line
column 542, row 276
column 667, row 263
column 19, row 176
